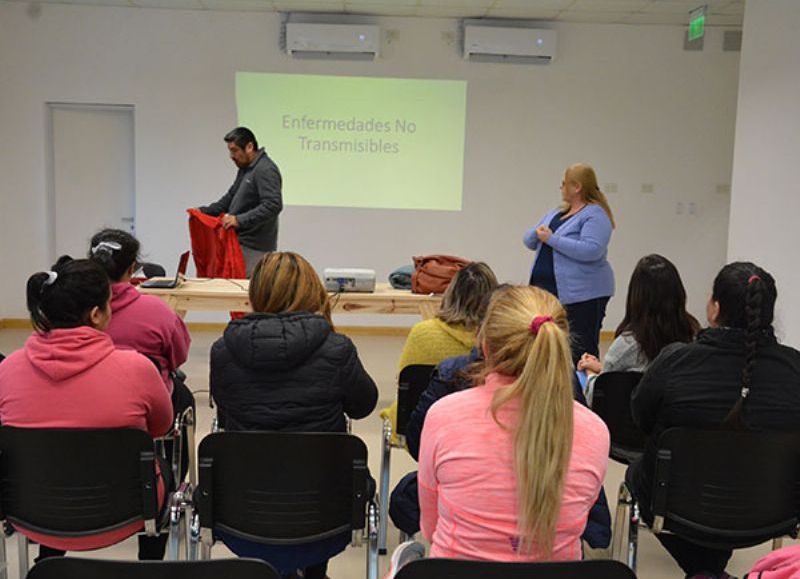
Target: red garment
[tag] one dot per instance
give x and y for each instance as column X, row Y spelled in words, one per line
column 216, row 250
column 75, row 378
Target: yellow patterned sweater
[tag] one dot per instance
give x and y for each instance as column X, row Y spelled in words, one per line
column 430, row 342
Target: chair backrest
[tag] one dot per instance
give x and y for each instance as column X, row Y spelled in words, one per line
column 611, row 401
column 282, row 488
column 726, row 488
column 441, row 568
column 413, row 381
column 75, row 568
column 69, row 482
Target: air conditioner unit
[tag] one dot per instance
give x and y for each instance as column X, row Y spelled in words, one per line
column 332, row 40
column 504, row 44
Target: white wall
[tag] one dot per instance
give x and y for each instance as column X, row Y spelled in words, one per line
column 765, row 201
column 627, row 99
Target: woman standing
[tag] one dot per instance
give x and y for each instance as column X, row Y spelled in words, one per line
column 571, row 244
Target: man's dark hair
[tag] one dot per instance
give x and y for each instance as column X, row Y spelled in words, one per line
column 240, row 136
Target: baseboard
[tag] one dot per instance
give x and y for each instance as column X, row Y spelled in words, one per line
column 401, row 331
column 15, row 324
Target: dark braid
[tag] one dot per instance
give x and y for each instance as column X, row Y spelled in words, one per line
column 756, row 316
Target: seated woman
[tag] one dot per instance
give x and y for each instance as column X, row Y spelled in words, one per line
column 284, row 367
column 655, row 316
column 509, row 469
column 452, row 331
column 735, row 374
column 141, row 322
column 144, row 323
column 70, row 375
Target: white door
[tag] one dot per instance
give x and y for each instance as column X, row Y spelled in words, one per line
column 91, row 174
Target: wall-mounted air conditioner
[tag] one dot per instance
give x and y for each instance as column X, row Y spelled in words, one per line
column 349, row 41
column 504, row 44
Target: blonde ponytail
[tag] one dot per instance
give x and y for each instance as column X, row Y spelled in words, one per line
column 542, row 363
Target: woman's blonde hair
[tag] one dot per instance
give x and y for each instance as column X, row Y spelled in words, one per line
column 583, row 175
column 542, row 364
column 465, row 299
column 285, row 282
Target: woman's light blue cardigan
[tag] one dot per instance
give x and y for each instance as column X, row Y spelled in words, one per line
column 580, row 247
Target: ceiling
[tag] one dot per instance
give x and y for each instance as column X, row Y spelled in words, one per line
column 666, row 12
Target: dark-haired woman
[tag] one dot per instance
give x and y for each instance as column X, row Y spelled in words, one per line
column 655, row 316
column 70, row 375
column 735, row 374
column 141, row 322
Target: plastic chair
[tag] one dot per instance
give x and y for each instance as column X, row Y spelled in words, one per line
column 411, row 383
column 719, row 488
column 280, row 488
column 77, row 483
column 452, row 568
column 611, row 401
column 76, row 568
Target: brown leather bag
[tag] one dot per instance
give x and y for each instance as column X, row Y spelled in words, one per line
column 432, row 273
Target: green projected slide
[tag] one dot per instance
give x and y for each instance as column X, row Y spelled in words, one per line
column 359, row 142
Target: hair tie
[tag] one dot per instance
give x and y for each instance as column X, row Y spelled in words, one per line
column 51, row 278
column 106, row 246
column 753, row 278
column 745, row 392
column 537, row 323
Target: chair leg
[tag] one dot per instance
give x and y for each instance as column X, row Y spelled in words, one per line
column 174, row 540
column 633, row 536
column 403, row 537
column 373, row 525
column 190, row 439
column 194, row 538
column 383, row 495
column 22, row 549
column 3, row 559
column 624, row 502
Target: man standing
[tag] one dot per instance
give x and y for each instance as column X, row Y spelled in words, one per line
column 252, row 204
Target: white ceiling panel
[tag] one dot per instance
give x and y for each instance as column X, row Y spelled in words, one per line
column 665, row 12
column 522, row 13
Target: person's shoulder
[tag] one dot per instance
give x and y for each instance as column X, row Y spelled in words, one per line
column 587, row 422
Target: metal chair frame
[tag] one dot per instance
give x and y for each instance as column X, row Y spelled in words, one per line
column 408, row 394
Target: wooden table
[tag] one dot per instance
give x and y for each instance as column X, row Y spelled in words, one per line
column 223, row 295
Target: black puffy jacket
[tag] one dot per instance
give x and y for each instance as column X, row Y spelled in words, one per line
column 288, row 372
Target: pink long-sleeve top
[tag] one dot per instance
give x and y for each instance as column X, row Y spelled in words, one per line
column 76, row 378
column 467, row 481
column 146, row 324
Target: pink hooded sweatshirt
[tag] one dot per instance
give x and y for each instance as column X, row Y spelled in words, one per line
column 76, row 378
column 146, row 324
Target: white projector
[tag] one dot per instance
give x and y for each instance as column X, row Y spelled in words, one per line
column 349, row 280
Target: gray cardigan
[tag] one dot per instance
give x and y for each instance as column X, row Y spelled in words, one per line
column 255, row 199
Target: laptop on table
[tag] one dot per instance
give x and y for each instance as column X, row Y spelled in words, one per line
column 183, row 263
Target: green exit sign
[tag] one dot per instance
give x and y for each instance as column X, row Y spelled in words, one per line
column 697, row 23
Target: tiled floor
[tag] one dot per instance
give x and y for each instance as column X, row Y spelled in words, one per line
column 379, row 355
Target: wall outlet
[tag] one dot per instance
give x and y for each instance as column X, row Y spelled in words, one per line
column 648, row 187
column 679, row 208
column 692, row 208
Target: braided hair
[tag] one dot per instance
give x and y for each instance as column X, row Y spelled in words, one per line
column 746, row 295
